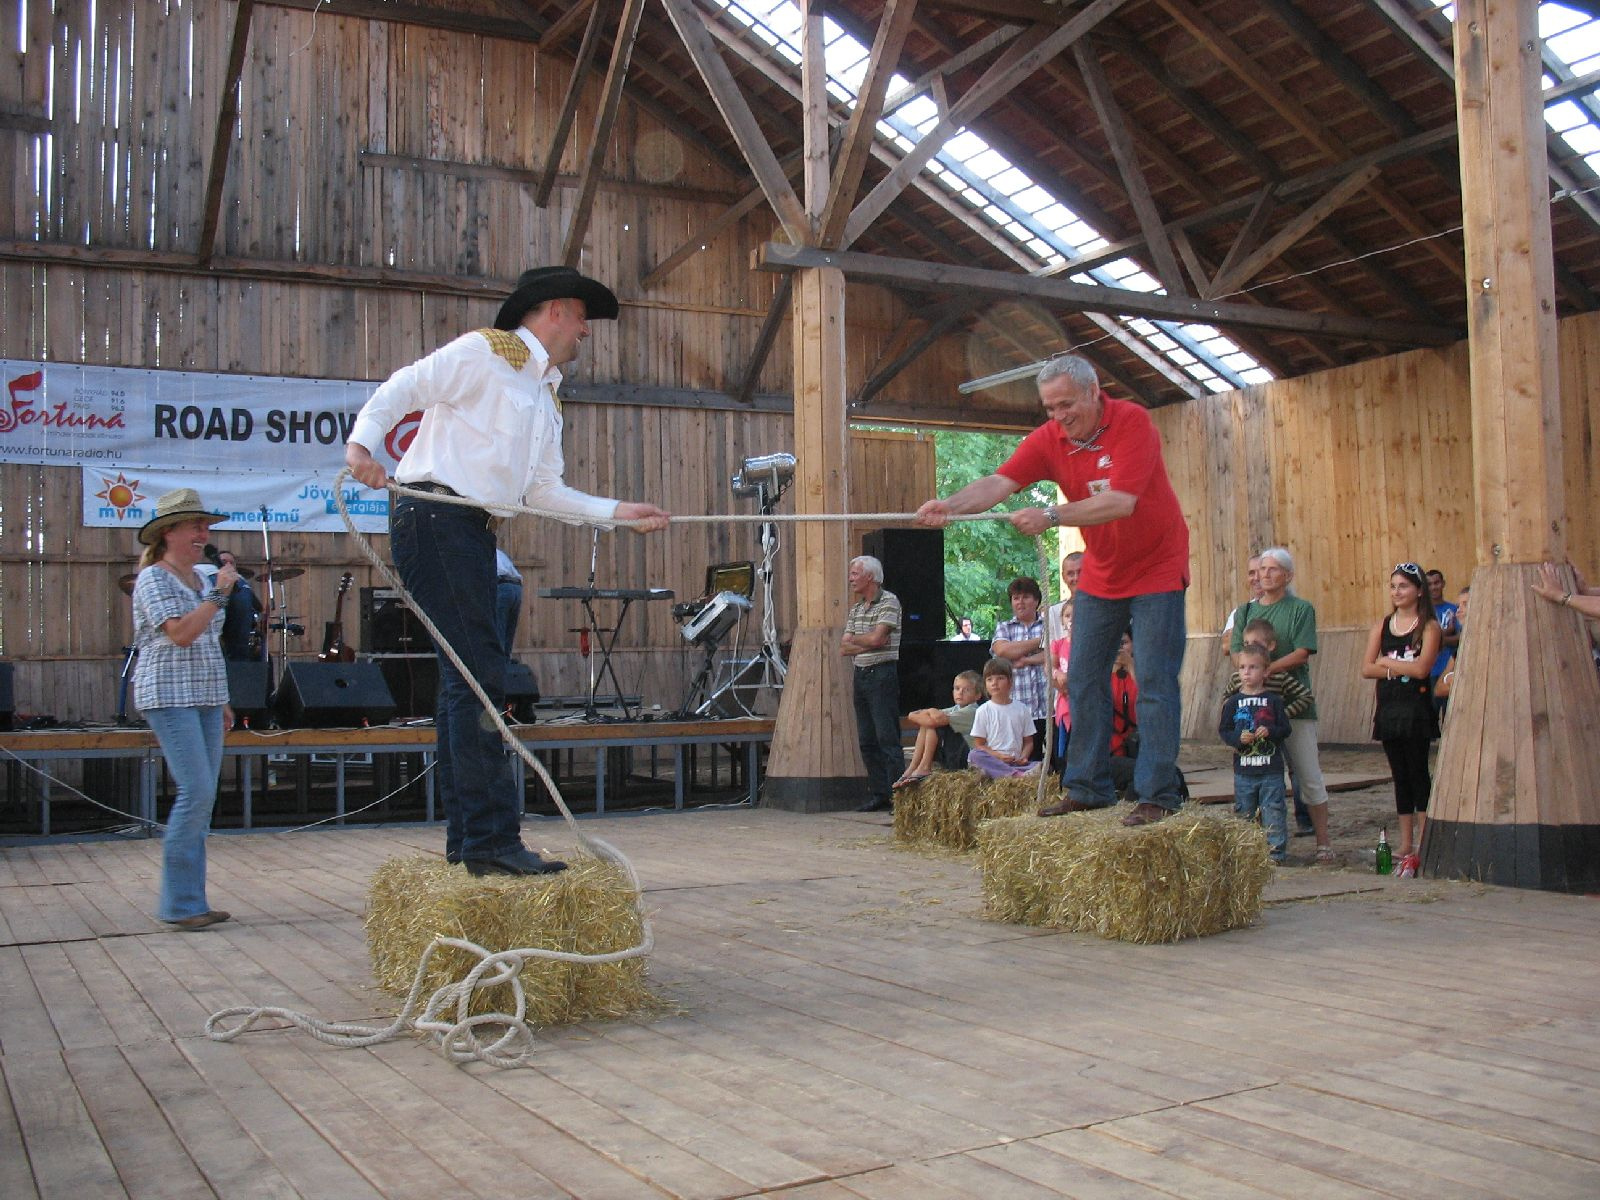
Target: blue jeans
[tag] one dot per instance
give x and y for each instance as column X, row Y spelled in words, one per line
column 508, row 609
column 1264, row 794
column 445, row 554
column 191, row 740
column 877, row 697
column 1159, row 638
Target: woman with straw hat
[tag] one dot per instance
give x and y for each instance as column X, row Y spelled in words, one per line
column 182, row 688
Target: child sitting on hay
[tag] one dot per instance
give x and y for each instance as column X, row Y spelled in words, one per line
column 944, row 735
column 1002, row 732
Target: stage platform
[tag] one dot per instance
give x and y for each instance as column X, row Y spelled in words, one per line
column 843, row 1026
column 248, row 755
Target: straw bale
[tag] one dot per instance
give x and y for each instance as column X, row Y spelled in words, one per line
column 946, row 809
column 1197, row 872
column 589, row 909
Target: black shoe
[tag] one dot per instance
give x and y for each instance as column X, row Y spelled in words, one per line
column 515, row 862
column 886, row 804
column 1304, row 831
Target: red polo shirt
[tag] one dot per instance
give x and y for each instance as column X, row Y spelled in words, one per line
column 1144, row 552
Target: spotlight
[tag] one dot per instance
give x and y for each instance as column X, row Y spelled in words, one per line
column 768, row 473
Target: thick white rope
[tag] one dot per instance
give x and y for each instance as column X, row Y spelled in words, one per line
column 509, row 1041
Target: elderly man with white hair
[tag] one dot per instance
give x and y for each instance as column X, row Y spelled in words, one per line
column 872, row 639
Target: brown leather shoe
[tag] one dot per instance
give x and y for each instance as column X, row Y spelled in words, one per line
column 1064, row 806
column 1146, row 813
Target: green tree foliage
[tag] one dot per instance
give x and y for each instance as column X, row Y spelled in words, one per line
column 981, row 558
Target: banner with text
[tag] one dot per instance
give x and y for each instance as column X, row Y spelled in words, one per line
column 115, row 498
column 120, row 417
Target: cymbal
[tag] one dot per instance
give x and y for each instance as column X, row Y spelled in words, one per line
column 284, row 574
column 125, row 582
column 245, row 572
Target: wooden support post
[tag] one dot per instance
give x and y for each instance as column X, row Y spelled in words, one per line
column 815, row 765
column 1517, row 795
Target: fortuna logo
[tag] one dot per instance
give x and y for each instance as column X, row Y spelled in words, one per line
column 120, row 493
column 1104, row 463
column 402, row 435
column 22, row 410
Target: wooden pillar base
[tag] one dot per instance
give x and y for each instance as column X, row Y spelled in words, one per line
column 1516, row 795
column 815, row 763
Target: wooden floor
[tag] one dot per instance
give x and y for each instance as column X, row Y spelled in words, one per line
column 849, row 1027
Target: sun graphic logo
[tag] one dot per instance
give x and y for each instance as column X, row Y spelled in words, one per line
column 120, row 493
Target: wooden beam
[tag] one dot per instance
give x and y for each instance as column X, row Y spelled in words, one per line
column 25, row 122
column 624, row 187
column 741, row 122
column 600, row 140
column 814, row 113
column 569, row 103
column 1191, row 263
column 1018, row 61
column 897, row 358
column 1232, row 278
column 422, row 16
column 958, row 61
column 227, row 117
column 765, row 337
column 1031, row 11
column 702, row 237
column 559, row 30
column 862, row 131
column 944, row 277
column 1115, row 126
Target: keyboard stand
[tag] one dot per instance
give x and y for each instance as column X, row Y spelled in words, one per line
column 603, row 641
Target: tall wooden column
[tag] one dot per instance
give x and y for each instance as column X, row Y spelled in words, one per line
column 815, row 765
column 1517, row 792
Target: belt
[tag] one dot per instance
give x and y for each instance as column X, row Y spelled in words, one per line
column 490, row 523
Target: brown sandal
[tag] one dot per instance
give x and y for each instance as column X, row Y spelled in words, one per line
column 202, row 921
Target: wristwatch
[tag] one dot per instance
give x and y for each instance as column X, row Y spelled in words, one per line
column 1052, row 515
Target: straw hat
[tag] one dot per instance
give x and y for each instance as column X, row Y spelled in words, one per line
column 556, row 283
column 173, row 509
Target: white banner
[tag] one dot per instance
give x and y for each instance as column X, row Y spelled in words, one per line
column 120, row 417
column 126, row 499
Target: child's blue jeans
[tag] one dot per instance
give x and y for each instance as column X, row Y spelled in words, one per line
column 1264, row 793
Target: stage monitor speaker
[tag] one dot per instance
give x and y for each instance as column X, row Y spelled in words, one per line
column 522, row 691
column 318, row 694
column 913, row 569
column 388, row 626
column 247, row 689
column 413, row 681
column 8, row 700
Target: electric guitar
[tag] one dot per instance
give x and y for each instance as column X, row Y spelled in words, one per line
column 334, row 647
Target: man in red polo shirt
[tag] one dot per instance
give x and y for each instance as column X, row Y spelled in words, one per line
column 1105, row 456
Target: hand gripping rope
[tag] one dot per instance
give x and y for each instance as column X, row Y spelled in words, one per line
column 507, row 1040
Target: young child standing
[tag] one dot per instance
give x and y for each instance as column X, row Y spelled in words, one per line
column 1400, row 653
column 1002, row 732
column 944, row 734
column 1254, row 722
column 1297, row 702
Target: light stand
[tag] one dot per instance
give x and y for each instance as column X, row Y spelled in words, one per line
column 766, row 477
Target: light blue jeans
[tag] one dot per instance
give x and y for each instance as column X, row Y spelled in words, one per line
column 191, row 740
column 1264, row 794
column 1159, row 639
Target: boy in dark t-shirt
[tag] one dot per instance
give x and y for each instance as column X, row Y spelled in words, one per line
column 1254, row 723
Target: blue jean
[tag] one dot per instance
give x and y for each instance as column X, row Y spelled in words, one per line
column 508, row 609
column 1264, row 794
column 877, row 697
column 1159, row 638
column 191, row 740
column 445, row 554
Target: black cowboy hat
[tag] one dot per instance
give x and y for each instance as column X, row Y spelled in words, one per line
column 556, row 283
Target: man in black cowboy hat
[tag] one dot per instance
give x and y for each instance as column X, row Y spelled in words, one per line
column 491, row 432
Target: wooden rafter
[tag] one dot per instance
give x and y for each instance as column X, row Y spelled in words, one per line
column 862, row 130
column 1018, row 61
column 1235, row 275
column 424, row 16
column 958, row 61
column 741, row 122
column 701, row 237
column 925, row 276
column 559, row 30
column 569, row 102
column 777, row 313
column 600, row 140
column 227, row 116
column 1115, row 126
column 905, row 350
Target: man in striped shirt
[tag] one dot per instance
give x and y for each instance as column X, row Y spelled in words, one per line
column 872, row 639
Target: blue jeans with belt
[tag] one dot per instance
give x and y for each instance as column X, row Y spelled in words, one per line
column 445, row 554
column 877, row 697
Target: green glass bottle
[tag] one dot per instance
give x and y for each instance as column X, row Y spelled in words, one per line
column 1385, row 855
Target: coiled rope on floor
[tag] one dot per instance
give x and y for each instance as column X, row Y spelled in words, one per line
column 506, row 1039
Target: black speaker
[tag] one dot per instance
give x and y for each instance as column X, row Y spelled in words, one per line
column 928, row 669
column 8, row 701
column 522, row 691
column 319, row 694
column 913, row 569
column 413, row 681
column 247, row 688
column 388, row 626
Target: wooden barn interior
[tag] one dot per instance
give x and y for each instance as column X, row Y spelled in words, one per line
column 1364, row 310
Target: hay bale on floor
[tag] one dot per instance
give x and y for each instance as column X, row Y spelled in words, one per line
column 588, row 909
column 1193, row 874
column 946, row 809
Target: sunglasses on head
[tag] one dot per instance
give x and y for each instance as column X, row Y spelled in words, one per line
column 1411, row 571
